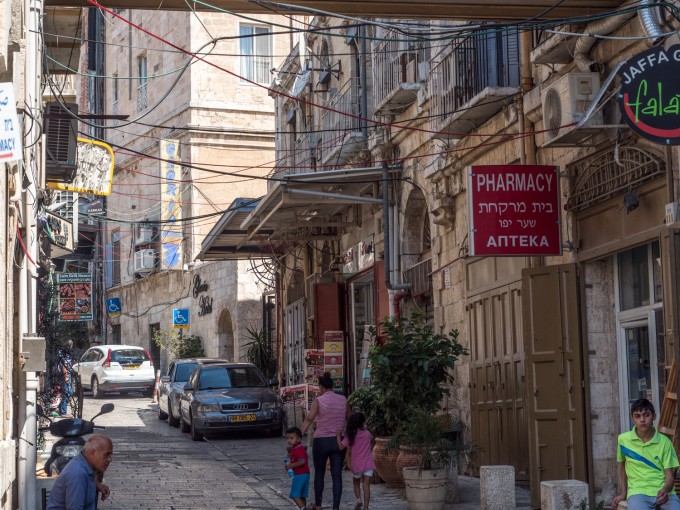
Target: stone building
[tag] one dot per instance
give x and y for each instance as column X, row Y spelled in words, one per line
column 560, row 342
column 203, row 138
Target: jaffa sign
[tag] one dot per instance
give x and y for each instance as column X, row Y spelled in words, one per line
column 649, row 98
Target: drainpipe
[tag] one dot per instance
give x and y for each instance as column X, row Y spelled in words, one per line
column 650, row 23
column 391, row 287
column 600, row 27
column 364, row 81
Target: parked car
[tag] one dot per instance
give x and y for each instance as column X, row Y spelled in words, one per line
column 120, row 368
column 172, row 386
column 229, row 396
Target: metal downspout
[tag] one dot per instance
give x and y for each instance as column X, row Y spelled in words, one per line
column 364, row 81
column 387, row 238
column 650, row 23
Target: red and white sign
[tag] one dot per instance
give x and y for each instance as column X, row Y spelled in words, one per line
column 514, row 210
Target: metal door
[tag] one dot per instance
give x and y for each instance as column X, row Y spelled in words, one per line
column 555, row 376
column 294, row 343
column 499, row 422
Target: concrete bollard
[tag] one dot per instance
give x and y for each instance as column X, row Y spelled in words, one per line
column 563, row 494
column 497, row 487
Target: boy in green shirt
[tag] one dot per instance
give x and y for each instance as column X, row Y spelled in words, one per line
column 647, row 462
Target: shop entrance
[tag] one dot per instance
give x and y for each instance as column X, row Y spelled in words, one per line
column 362, row 309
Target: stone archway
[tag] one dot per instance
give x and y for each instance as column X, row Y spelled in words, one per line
column 225, row 336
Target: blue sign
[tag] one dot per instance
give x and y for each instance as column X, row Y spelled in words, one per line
column 180, row 318
column 113, row 307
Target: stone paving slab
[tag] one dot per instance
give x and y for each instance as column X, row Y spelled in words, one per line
column 156, row 466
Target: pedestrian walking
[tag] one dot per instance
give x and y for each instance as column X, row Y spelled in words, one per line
column 647, row 462
column 358, row 443
column 330, row 410
column 298, row 462
column 64, row 368
column 79, row 484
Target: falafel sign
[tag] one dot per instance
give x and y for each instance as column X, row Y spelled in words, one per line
column 75, row 296
column 649, row 98
column 514, row 210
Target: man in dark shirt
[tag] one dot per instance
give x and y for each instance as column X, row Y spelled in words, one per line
column 77, row 485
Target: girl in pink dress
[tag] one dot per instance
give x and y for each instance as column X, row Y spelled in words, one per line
column 358, row 441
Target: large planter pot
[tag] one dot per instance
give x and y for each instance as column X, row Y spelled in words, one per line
column 408, row 457
column 426, row 489
column 386, row 464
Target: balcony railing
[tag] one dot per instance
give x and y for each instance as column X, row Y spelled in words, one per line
column 399, row 72
column 478, row 71
column 419, row 276
column 300, row 159
column 341, row 128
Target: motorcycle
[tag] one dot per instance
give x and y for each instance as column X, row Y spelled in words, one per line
column 71, row 432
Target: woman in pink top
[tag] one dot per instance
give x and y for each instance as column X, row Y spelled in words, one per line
column 330, row 411
column 358, row 441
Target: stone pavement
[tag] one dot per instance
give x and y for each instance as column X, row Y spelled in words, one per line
column 155, row 466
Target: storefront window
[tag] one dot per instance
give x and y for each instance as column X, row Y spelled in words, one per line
column 634, row 278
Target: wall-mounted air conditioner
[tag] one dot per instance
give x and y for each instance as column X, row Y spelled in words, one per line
column 145, row 234
column 145, row 261
column 61, row 133
column 564, row 104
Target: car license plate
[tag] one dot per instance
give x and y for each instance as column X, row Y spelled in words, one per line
column 242, row 417
column 132, row 367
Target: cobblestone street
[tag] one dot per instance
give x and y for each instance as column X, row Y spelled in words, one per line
column 156, row 466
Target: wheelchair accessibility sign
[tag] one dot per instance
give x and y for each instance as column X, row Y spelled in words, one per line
column 180, row 318
column 113, row 307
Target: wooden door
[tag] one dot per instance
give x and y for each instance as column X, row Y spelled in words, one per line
column 555, row 375
column 499, row 422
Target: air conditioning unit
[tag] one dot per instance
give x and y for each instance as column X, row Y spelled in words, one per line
column 145, row 234
column 61, row 133
column 564, row 103
column 145, row 261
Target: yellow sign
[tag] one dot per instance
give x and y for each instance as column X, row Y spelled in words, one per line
column 94, row 172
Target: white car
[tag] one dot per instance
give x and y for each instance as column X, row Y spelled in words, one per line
column 120, row 368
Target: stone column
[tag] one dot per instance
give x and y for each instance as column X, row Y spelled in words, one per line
column 497, row 487
column 563, row 494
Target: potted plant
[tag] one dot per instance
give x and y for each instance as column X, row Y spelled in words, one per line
column 431, row 455
column 409, row 371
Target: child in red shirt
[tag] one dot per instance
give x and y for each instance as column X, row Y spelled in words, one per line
column 298, row 461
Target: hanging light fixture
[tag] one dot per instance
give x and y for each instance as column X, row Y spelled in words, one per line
column 631, row 200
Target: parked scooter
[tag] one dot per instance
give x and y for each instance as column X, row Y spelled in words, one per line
column 71, row 432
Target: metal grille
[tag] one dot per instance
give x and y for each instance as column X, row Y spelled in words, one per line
column 603, row 175
column 295, row 341
column 249, row 406
column 419, row 276
column 142, row 96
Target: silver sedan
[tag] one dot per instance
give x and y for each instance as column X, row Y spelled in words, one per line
column 229, row 396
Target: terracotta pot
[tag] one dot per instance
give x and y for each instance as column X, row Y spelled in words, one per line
column 408, row 457
column 386, row 464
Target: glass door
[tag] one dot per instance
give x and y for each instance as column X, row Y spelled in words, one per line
column 641, row 347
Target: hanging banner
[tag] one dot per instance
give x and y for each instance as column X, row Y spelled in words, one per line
column 648, row 98
column 171, row 206
column 75, row 296
column 514, row 210
column 94, row 172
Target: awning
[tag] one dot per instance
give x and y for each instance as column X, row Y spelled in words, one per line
column 227, row 241
column 305, row 206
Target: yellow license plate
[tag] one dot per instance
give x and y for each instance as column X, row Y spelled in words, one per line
column 243, row 417
column 132, row 367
